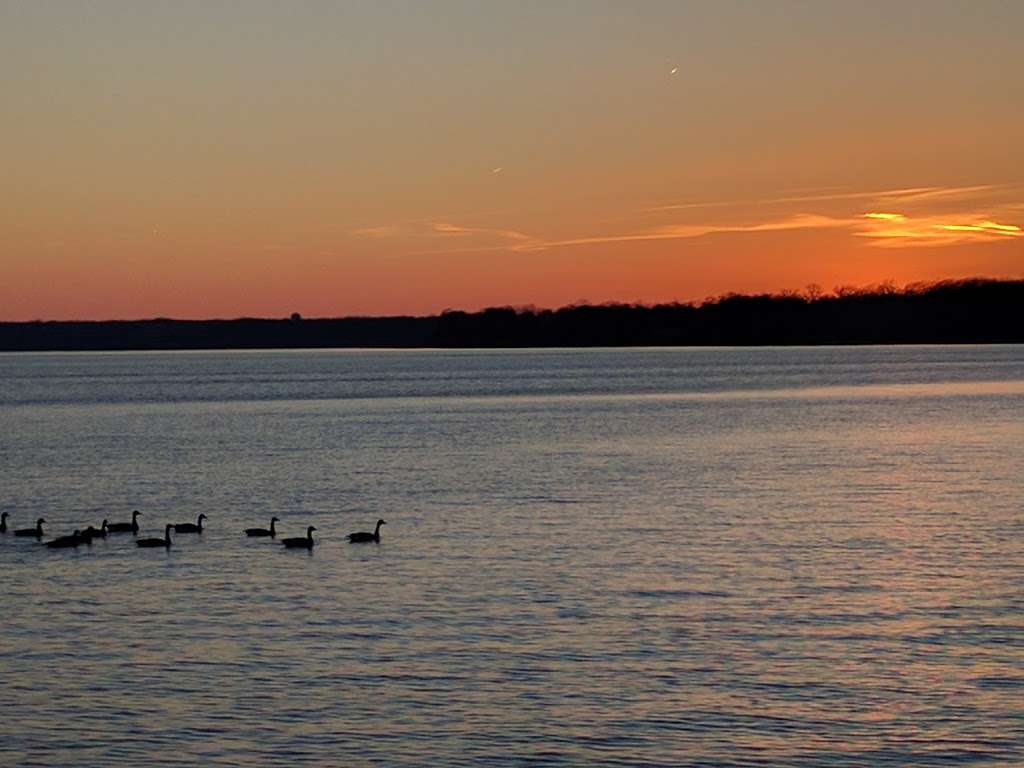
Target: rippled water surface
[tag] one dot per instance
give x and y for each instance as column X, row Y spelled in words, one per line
column 800, row 557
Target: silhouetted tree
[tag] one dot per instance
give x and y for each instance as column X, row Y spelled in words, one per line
column 950, row 311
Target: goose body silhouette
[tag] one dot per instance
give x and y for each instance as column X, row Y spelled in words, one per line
column 301, row 542
column 363, row 536
column 63, row 542
column 37, row 532
column 155, row 542
column 3, row 521
column 132, row 527
column 91, row 533
column 196, row 527
column 263, row 531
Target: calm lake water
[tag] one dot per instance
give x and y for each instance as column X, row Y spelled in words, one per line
column 750, row 557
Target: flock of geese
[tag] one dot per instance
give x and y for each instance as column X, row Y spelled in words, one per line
column 90, row 533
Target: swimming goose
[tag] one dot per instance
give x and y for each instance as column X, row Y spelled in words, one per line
column 301, row 542
column 3, row 521
column 63, row 542
column 154, row 542
column 37, row 531
column 196, row 527
column 356, row 538
column 132, row 527
column 91, row 533
column 263, row 531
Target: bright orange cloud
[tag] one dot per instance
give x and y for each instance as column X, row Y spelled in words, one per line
column 894, row 229
column 985, row 226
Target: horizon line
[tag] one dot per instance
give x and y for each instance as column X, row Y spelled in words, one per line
column 810, row 292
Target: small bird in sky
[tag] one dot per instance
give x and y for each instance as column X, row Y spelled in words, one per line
column 674, row 70
column 499, row 169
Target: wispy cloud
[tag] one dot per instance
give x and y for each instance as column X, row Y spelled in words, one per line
column 822, row 197
column 905, row 217
column 687, row 231
column 943, row 193
column 493, row 238
column 985, row 226
column 443, row 228
column 384, row 231
column 447, row 228
column 932, row 215
column 904, row 195
column 892, row 230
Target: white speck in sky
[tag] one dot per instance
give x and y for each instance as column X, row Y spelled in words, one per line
column 497, row 170
column 674, row 70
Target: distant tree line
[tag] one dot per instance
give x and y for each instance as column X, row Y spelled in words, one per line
column 953, row 311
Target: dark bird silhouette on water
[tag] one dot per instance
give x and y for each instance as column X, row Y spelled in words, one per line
column 64, row 542
column 263, row 531
column 3, row 521
column 155, row 542
column 196, row 527
column 301, row 542
column 132, row 527
column 91, row 533
column 362, row 536
column 37, row 531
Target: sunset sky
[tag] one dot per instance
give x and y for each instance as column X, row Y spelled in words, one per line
column 220, row 159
